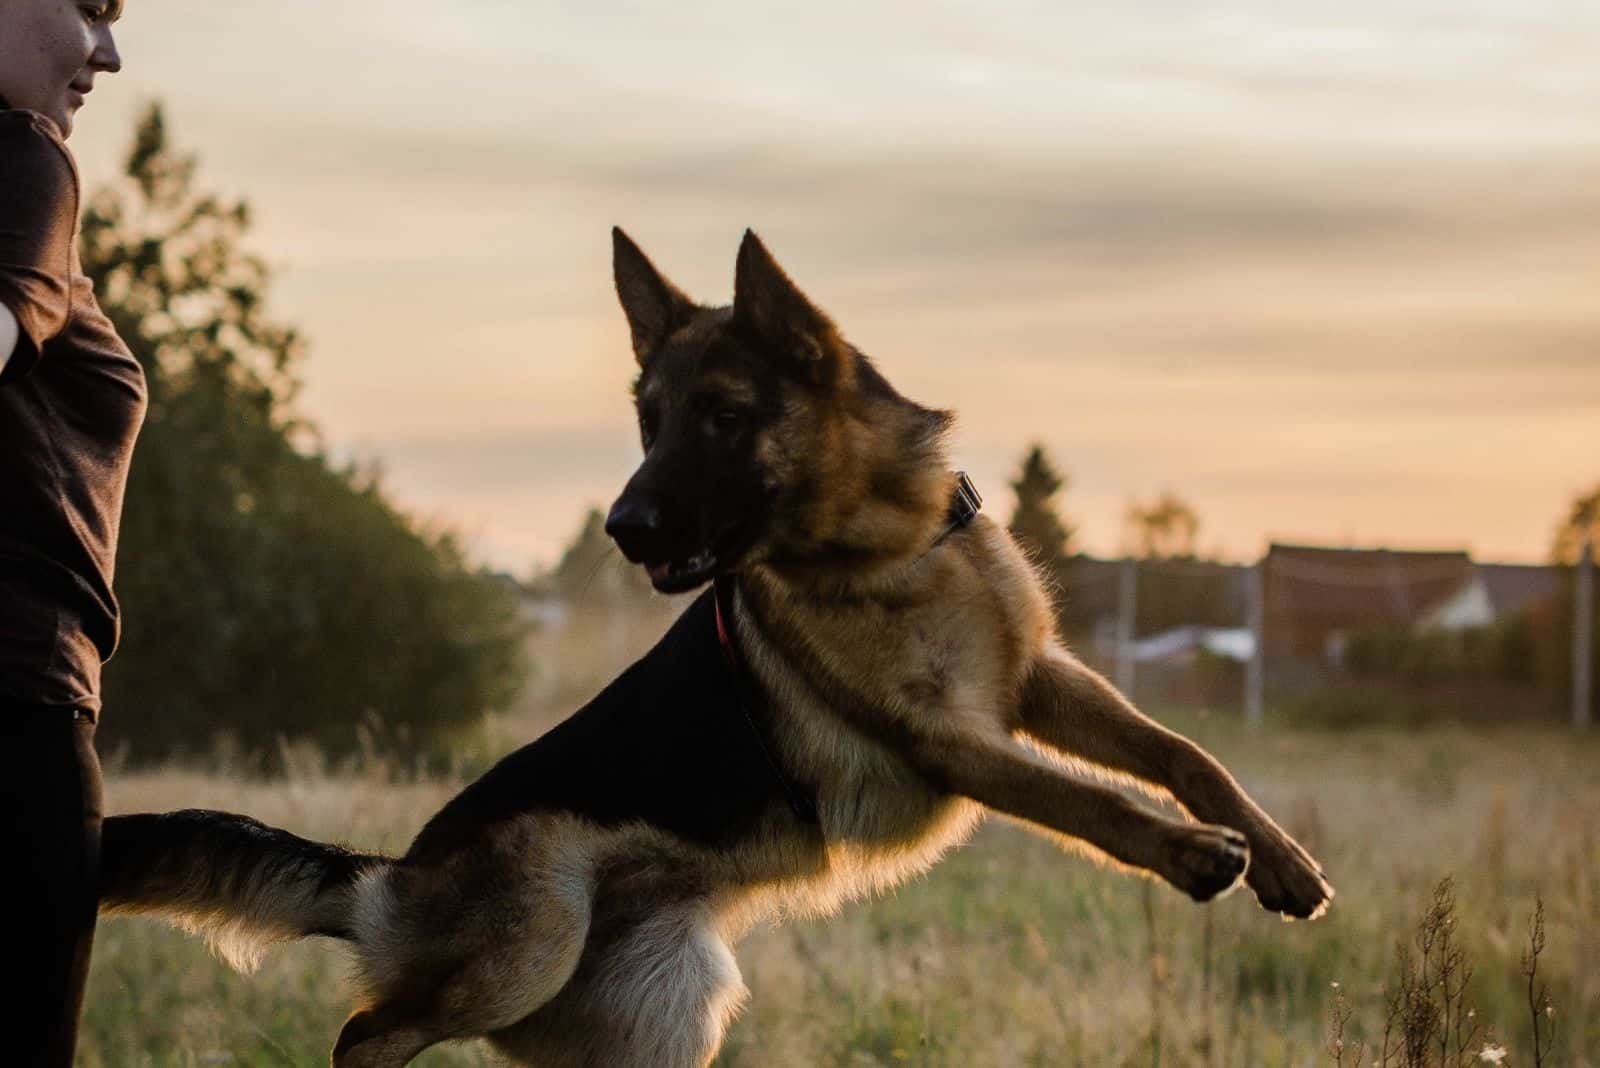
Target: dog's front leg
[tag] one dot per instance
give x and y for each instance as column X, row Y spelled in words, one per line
column 1001, row 773
column 1071, row 708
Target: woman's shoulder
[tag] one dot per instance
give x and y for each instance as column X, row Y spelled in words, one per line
column 31, row 147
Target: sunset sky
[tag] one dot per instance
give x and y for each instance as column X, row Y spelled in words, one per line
column 1327, row 270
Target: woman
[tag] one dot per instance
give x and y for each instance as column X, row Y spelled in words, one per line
column 71, row 401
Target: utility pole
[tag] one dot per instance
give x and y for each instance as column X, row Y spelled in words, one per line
column 1127, row 612
column 1255, row 675
column 1583, row 637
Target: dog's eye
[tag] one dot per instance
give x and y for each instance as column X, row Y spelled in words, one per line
column 726, row 419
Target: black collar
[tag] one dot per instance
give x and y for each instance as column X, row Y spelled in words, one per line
column 964, row 505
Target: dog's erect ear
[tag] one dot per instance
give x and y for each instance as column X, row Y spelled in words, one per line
column 654, row 306
column 767, row 302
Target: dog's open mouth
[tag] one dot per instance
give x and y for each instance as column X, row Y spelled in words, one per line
column 679, row 576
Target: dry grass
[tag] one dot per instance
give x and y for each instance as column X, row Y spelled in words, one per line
column 1009, row 953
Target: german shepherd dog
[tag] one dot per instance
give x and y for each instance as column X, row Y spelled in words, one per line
column 865, row 679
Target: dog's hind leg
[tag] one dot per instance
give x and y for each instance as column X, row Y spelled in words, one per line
column 467, row 947
column 1070, row 708
column 490, row 990
column 384, row 1036
column 657, row 992
column 676, row 983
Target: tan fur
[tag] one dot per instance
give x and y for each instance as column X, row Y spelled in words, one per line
column 263, row 910
column 914, row 680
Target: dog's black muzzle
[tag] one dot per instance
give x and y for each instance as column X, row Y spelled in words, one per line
column 638, row 526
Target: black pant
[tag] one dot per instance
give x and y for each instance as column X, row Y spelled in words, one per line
column 50, row 795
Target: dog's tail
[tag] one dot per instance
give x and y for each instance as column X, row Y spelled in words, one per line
column 240, row 883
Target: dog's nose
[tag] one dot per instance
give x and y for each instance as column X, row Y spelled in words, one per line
column 635, row 525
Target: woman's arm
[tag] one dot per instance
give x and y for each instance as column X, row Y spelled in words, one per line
column 38, row 223
column 8, row 335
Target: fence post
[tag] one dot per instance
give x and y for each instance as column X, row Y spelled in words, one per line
column 1583, row 637
column 1127, row 613
column 1256, row 670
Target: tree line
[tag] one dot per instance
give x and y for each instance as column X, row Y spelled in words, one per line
column 1176, row 585
column 268, row 591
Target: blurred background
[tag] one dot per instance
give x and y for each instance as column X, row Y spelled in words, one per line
column 1325, row 271
column 1270, row 329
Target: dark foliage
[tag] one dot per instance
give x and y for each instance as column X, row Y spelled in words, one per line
column 1036, row 523
column 267, row 591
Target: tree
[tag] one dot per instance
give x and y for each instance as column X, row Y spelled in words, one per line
column 1556, row 656
column 1166, row 528
column 1176, row 588
column 593, row 574
column 1036, row 524
column 267, row 591
column 1582, row 519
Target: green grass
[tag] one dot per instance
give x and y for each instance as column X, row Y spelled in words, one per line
column 1010, row 952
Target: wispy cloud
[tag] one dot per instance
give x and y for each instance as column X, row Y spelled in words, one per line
column 1318, row 269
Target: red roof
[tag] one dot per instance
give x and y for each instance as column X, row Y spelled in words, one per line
column 1516, row 587
column 1312, row 593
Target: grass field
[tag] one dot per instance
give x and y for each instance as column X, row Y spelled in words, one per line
column 1009, row 952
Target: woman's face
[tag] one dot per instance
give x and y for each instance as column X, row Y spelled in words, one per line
column 50, row 52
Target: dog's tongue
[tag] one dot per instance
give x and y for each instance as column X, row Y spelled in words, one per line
column 657, row 572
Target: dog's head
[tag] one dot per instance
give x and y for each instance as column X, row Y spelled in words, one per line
column 757, row 422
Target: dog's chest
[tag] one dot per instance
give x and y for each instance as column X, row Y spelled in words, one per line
column 894, row 668
column 881, row 823
column 869, row 799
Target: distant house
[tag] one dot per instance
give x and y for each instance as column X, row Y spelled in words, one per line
column 1315, row 597
column 1491, row 592
column 1181, row 646
column 541, row 602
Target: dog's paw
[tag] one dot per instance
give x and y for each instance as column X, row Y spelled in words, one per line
column 1285, row 878
column 1205, row 861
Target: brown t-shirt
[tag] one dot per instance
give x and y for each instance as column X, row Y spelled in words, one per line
column 72, row 398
